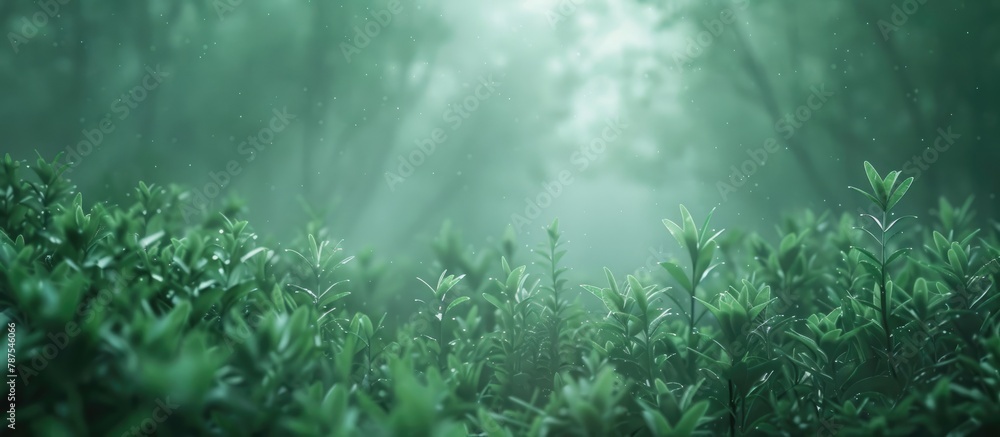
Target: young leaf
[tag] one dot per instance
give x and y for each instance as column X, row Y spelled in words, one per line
column 889, row 182
column 953, row 258
column 455, row 302
column 895, row 255
column 704, row 228
column 866, row 253
column 875, row 270
column 678, row 274
column 675, row 231
column 877, row 184
column 868, row 195
column 787, row 243
column 596, row 291
column 639, row 292
column 493, row 301
column 898, row 194
column 704, row 259
column 611, row 280
column 689, row 421
column 690, row 233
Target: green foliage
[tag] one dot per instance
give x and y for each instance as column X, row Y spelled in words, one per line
column 123, row 310
column 586, row 407
column 673, row 416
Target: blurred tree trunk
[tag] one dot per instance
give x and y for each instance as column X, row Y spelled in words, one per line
column 769, row 100
column 922, row 128
column 319, row 83
column 77, row 94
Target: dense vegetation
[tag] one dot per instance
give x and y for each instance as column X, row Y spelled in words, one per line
column 842, row 325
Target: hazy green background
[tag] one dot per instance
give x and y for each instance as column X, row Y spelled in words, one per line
column 694, row 103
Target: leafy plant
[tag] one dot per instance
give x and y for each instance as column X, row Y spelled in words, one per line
column 321, row 265
column 518, row 315
column 557, row 314
column 701, row 252
column 739, row 313
column 440, row 306
column 885, row 194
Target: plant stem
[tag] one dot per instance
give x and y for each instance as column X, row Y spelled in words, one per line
column 732, row 410
column 556, row 327
column 692, row 317
column 442, row 353
column 649, row 354
column 694, row 290
column 691, row 345
column 884, row 300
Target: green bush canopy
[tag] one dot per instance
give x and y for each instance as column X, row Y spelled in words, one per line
column 128, row 320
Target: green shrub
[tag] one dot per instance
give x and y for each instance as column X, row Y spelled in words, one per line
column 129, row 320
